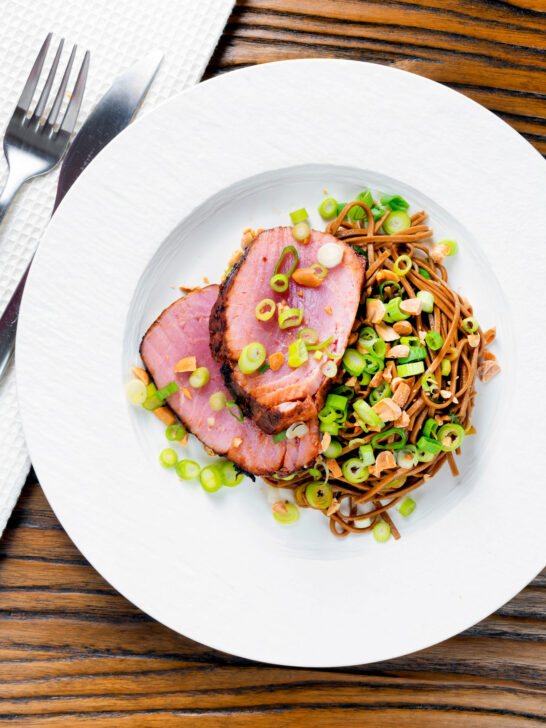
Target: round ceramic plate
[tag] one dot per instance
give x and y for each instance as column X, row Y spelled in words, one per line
column 165, row 204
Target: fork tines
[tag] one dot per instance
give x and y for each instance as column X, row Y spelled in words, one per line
column 71, row 114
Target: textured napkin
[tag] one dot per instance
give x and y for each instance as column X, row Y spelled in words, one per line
column 118, row 33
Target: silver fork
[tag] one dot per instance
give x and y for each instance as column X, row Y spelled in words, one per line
column 34, row 145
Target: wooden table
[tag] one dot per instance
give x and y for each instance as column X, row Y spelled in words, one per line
column 75, row 653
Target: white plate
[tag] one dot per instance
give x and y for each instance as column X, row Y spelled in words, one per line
column 165, row 204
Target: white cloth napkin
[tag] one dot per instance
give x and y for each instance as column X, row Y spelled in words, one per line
column 118, row 33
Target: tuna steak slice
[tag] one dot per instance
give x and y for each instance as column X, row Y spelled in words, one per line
column 183, row 330
column 276, row 399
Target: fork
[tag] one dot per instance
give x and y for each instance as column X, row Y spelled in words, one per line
column 34, row 145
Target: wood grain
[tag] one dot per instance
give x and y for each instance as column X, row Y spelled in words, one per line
column 73, row 652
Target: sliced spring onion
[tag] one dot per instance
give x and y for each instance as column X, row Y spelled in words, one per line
column 330, row 255
column 314, row 472
column 330, row 370
column 427, row 299
column 353, row 362
column 396, row 222
column 199, row 377
column 328, row 414
column 378, row 212
column 235, row 411
column 187, row 469
column 365, row 379
column 211, row 478
column 279, row 437
column 434, row 340
column 366, row 413
column 416, row 353
column 367, row 335
column 390, row 294
column 167, row 390
column 297, row 354
column 136, row 392
column 410, row 341
column 337, row 402
column 333, row 450
column 423, row 456
column 381, row 532
column 152, row 402
column 373, row 364
column 168, row 458
column 315, row 347
column 430, row 427
column 395, row 202
column 366, row 454
column 299, row 215
column 263, row 368
column 379, row 444
column 251, row 358
column 319, row 495
column 217, row 401
column 406, row 507
column 402, row 265
column 279, row 282
column 425, row 273
column 396, row 482
column 265, row 309
column 450, row 436
column 410, row 370
column 287, row 251
column 381, row 392
column 289, row 317
column 291, row 516
column 429, row 383
column 319, row 270
column 328, row 208
column 429, row 445
column 296, row 430
column 230, row 475
column 354, row 470
column 301, row 232
column 393, row 312
column 332, row 428
column 445, row 368
column 451, row 244
column 470, row 325
column 173, row 433
column 407, row 457
column 344, row 391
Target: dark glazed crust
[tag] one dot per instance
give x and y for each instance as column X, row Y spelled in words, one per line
column 267, row 418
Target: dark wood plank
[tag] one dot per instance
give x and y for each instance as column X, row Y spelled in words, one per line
column 73, row 652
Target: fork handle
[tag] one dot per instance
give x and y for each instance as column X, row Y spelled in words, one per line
column 8, row 324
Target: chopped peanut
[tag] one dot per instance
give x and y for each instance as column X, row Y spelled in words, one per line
column 487, row 370
column 248, row 237
column 211, row 421
column 403, row 420
column 276, row 360
column 334, row 468
column 325, row 442
column 328, row 310
column 300, row 294
column 487, row 356
column 389, row 372
column 375, row 310
column 402, row 327
column 387, row 409
column 235, row 257
column 376, row 380
column 384, row 461
column 445, row 393
column 205, row 279
column 186, row 392
column 236, row 442
column 386, row 275
column 413, row 306
column 187, row 364
column 141, row 374
column 387, row 333
column 184, row 440
column 439, row 252
column 403, row 391
column 335, row 505
column 422, row 335
column 306, row 277
column 189, row 289
column 351, row 382
column 165, row 415
column 209, row 450
column 279, row 507
column 396, row 352
column 473, row 340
